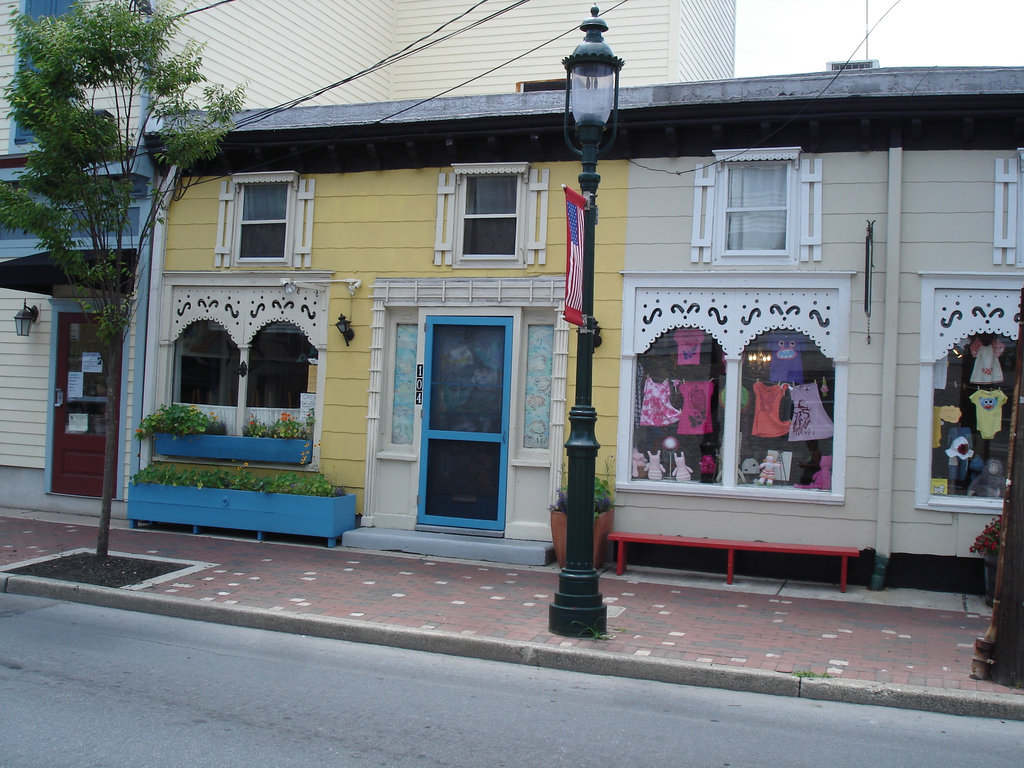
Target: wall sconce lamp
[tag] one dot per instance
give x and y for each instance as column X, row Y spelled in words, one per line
column 345, row 328
column 24, row 318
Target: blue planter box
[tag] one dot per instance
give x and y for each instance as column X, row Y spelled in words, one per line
column 326, row 516
column 234, row 447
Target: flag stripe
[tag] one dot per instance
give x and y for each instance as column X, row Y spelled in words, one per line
column 574, row 205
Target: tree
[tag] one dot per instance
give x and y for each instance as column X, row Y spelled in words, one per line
column 108, row 101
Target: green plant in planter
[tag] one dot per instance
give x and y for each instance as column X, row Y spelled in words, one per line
column 285, row 428
column 238, row 479
column 179, row 420
column 604, row 494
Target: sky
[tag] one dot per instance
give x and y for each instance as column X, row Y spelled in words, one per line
column 778, row 37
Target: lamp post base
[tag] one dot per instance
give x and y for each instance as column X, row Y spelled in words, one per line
column 578, row 609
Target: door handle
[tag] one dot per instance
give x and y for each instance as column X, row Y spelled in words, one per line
column 58, row 399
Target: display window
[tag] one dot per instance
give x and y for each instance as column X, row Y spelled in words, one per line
column 786, row 413
column 971, row 417
column 677, row 424
column 783, row 412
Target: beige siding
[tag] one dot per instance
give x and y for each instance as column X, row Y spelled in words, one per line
column 707, row 40
column 23, row 385
column 284, row 50
column 641, row 33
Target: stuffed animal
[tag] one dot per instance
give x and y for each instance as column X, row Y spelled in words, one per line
column 654, row 470
column 708, row 465
column 768, row 467
column 681, row 473
column 823, row 477
column 991, row 482
column 639, row 463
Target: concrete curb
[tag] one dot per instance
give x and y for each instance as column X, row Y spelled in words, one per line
column 971, row 703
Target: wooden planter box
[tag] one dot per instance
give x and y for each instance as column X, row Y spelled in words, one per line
column 325, row 516
column 268, row 449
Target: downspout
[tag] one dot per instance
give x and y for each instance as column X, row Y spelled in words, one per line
column 890, row 345
column 150, row 357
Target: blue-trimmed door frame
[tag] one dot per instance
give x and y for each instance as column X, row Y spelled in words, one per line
column 430, row 434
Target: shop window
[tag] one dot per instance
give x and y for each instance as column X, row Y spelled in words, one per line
column 786, row 413
column 971, row 426
column 206, row 363
column 276, row 375
column 678, row 413
column 281, row 360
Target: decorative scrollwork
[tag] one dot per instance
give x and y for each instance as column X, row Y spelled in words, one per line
column 824, row 322
column 955, row 315
column 755, row 312
column 655, row 313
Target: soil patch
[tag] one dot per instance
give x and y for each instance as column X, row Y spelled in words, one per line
column 111, row 571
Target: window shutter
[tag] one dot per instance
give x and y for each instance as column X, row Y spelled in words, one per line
column 304, row 224
column 445, row 233
column 810, row 210
column 703, row 213
column 225, row 225
column 537, row 217
column 1004, row 238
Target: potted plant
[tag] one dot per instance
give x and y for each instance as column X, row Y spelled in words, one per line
column 302, row 503
column 987, row 545
column 604, row 520
column 184, row 430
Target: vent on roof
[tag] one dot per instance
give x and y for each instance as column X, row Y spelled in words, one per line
column 530, row 86
column 838, row 66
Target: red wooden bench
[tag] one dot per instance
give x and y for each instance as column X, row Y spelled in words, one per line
column 844, row 553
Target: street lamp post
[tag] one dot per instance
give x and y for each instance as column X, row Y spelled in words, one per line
column 591, row 94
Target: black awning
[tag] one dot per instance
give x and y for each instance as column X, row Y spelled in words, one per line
column 37, row 273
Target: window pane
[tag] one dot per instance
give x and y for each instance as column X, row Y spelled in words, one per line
column 404, row 398
column 490, row 237
column 756, row 208
column 206, row 365
column 786, row 413
column 265, row 202
column 491, row 194
column 537, row 401
column 756, row 231
column 678, row 415
column 279, row 367
column 262, row 241
column 971, row 426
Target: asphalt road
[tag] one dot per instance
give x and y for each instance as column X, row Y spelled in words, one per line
column 87, row 686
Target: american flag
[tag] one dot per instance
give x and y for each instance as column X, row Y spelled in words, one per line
column 574, row 204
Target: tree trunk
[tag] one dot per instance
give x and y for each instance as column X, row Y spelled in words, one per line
column 112, row 366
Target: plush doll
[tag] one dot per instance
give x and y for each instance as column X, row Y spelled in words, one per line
column 654, row 471
column 639, row 463
column 768, row 467
column 991, row 482
column 708, row 465
column 681, row 473
column 823, row 477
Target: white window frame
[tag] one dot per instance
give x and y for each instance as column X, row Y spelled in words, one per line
column 973, row 294
column 654, row 302
column 803, row 208
column 243, row 303
column 298, row 222
column 530, row 216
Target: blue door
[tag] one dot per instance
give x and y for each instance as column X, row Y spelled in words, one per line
column 464, row 455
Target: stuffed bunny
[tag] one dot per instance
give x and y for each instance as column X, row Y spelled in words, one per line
column 682, row 472
column 654, row 470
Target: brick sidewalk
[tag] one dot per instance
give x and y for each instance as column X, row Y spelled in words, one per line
column 852, row 638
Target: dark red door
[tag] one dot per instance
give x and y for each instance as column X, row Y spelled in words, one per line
column 81, row 408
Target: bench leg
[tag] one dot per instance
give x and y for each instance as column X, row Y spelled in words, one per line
column 842, row 575
column 729, row 566
column 620, row 559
